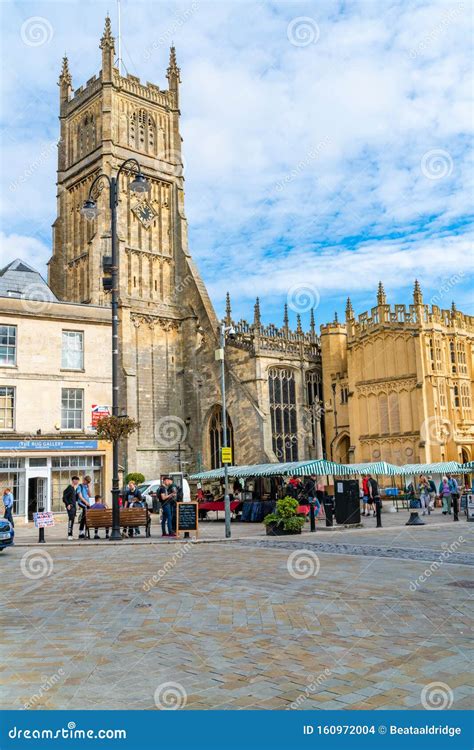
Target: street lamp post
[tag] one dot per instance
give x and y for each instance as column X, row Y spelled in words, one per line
column 333, row 386
column 220, row 355
column 90, row 211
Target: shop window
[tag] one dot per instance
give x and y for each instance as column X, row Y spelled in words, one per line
column 7, row 407
column 72, row 350
column 216, row 436
column 38, row 461
column 282, row 391
column 8, row 345
column 72, row 409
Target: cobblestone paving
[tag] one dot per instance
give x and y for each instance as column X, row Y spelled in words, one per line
column 368, row 550
column 236, row 625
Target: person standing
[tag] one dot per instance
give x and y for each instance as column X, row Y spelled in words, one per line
column 445, row 496
column 168, row 499
column 365, row 495
column 424, row 490
column 433, row 492
column 70, row 500
column 374, row 498
column 310, row 490
column 84, row 503
column 454, row 487
column 8, row 505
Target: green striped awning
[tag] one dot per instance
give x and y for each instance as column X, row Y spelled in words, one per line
column 442, row 467
column 467, row 468
column 295, row 468
column 381, row 468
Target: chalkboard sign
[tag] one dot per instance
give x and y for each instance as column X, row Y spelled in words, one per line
column 187, row 517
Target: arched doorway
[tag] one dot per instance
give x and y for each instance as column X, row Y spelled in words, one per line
column 341, row 450
column 216, row 434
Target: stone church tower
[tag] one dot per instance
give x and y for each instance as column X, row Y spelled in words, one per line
column 168, row 327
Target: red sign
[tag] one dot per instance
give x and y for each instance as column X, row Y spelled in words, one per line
column 97, row 413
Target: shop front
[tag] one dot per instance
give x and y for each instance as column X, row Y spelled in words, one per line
column 37, row 471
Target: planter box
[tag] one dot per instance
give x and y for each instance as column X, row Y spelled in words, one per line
column 273, row 529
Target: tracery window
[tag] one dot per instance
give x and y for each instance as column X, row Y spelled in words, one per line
column 141, row 131
column 282, row 393
column 216, row 436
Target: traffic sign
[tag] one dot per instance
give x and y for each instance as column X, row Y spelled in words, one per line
column 226, row 455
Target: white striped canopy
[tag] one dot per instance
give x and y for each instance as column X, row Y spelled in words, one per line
column 381, row 468
column 442, row 467
column 295, row 468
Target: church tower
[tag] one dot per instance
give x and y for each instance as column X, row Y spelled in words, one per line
column 108, row 120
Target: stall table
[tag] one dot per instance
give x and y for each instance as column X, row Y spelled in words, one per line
column 217, row 505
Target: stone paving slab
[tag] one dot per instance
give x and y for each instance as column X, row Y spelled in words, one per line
column 232, row 626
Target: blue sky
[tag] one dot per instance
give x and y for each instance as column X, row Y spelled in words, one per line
column 327, row 145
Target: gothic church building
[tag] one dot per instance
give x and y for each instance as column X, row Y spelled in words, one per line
column 169, row 330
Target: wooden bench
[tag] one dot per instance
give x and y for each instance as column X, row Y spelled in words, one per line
column 130, row 518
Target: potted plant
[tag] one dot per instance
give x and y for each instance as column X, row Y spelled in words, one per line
column 285, row 520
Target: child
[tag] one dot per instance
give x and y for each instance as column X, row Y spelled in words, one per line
column 99, row 505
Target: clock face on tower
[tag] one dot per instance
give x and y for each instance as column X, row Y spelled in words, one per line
column 144, row 212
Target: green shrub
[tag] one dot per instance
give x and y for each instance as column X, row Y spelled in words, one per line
column 135, row 476
column 286, row 515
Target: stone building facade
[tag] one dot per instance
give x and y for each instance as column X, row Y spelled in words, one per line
column 398, row 383
column 53, row 375
column 168, row 327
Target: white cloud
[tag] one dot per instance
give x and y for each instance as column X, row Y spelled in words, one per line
column 384, row 84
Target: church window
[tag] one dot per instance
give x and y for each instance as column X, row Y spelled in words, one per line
column 452, row 352
column 141, row 132
column 282, row 389
column 465, row 397
column 394, row 412
column 313, row 387
column 432, row 356
column 456, row 396
column 442, row 394
column 461, row 353
column 439, row 356
column 383, row 414
column 216, row 436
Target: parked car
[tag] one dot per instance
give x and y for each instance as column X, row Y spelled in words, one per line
column 6, row 534
column 152, row 486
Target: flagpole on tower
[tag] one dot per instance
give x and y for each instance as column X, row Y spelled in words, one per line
column 119, row 38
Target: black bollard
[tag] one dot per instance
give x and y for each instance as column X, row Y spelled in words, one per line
column 312, row 518
column 455, row 508
column 414, row 519
column 378, row 512
column 329, row 510
column 41, row 539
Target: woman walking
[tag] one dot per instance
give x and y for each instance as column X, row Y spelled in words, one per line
column 445, row 495
column 424, row 489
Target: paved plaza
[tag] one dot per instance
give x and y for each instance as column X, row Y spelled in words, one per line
column 356, row 619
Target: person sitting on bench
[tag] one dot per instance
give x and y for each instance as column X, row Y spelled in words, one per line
column 99, row 505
